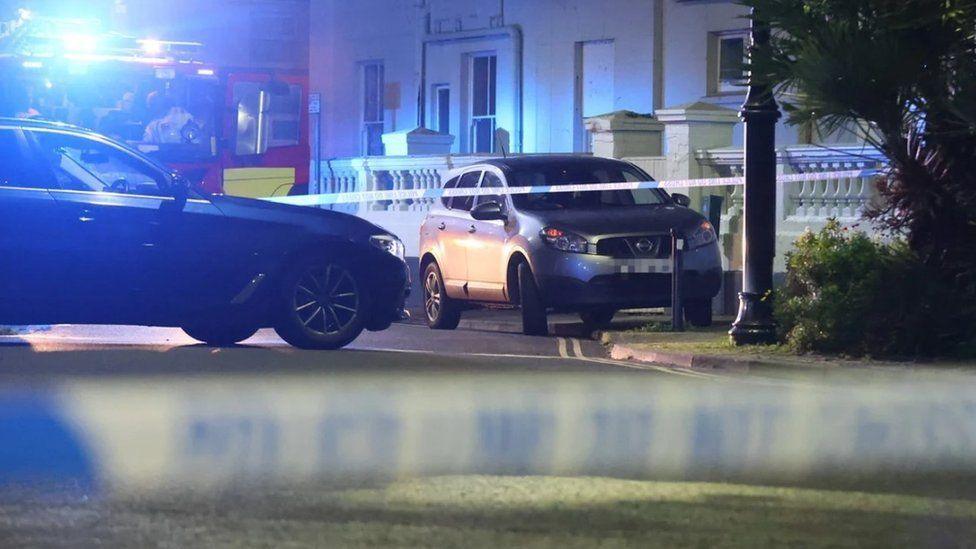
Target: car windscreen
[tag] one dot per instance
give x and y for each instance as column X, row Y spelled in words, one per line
column 556, row 175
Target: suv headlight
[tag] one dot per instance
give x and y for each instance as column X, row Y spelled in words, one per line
column 565, row 241
column 388, row 243
column 701, row 235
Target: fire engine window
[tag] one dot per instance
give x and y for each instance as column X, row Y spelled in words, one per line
column 251, row 125
column 285, row 115
column 268, row 115
column 81, row 164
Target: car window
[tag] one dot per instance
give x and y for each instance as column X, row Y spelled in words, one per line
column 582, row 173
column 15, row 167
column 446, row 200
column 82, row 164
column 488, row 182
column 467, row 181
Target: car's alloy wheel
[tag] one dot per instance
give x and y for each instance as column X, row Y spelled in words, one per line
column 324, row 305
column 326, row 299
column 442, row 312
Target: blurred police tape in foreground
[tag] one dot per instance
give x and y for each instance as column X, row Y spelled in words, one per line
column 215, row 433
column 414, row 194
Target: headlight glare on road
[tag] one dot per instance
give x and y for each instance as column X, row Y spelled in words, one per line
column 701, row 235
column 388, row 243
column 565, row 241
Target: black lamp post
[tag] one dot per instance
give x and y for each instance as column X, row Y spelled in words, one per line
column 754, row 324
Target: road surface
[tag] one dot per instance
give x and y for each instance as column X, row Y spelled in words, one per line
column 134, row 350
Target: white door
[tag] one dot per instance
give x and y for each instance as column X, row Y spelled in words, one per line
column 594, row 85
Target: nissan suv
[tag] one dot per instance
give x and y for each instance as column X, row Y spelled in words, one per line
column 590, row 252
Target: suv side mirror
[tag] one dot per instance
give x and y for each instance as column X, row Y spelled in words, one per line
column 681, row 199
column 487, row 211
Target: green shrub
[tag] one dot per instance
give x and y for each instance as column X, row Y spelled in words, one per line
column 846, row 293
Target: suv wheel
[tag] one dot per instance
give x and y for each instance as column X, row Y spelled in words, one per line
column 442, row 312
column 597, row 318
column 534, row 321
column 220, row 334
column 322, row 304
column 699, row 313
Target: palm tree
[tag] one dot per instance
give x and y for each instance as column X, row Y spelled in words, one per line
column 901, row 75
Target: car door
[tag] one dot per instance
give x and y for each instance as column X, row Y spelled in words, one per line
column 30, row 266
column 121, row 219
column 455, row 237
column 487, row 245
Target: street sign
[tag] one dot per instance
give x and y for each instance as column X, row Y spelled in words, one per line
column 314, row 103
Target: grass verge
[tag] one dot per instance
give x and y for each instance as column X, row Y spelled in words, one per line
column 491, row 512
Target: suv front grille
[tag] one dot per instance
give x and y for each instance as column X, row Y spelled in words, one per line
column 649, row 247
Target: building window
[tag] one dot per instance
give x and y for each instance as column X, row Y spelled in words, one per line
column 373, row 125
column 483, row 108
column 441, row 111
column 727, row 65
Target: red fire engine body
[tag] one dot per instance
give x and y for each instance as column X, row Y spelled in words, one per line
column 239, row 131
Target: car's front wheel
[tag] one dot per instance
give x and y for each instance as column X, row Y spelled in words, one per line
column 534, row 319
column 442, row 312
column 322, row 304
column 220, row 334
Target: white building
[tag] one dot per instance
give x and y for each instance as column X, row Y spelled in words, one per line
column 523, row 75
column 533, row 68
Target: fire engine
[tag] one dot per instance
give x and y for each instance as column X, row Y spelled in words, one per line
column 238, row 131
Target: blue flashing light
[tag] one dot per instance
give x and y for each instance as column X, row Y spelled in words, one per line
column 205, row 72
column 33, row 65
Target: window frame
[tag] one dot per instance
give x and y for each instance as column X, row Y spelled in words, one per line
column 500, row 198
column 717, row 85
column 437, row 113
column 491, row 101
column 366, row 124
column 480, row 175
column 163, row 177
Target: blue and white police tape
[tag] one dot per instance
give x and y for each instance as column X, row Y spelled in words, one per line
column 135, row 435
column 433, row 193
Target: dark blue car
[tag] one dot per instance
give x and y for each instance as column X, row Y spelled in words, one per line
column 93, row 232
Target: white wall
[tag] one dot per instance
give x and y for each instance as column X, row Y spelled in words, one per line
column 551, row 30
column 345, row 33
column 687, row 25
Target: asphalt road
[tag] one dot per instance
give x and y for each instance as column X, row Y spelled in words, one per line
column 135, row 350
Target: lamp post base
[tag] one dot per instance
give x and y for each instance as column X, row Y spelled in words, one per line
column 754, row 324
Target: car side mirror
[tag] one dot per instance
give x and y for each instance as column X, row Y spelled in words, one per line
column 179, row 187
column 487, row 211
column 681, row 199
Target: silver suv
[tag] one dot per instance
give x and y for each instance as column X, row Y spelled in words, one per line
column 591, row 252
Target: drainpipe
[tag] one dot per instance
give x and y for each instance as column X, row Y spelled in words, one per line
column 514, row 34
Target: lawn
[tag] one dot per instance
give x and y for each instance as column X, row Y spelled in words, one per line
column 483, row 511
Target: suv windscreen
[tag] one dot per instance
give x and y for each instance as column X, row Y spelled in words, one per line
column 582, row 200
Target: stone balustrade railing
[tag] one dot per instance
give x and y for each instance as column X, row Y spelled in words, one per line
column 384, row 173
column 809, row 201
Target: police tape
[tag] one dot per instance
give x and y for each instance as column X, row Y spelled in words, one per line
column 433, row 193
column 217, row 432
